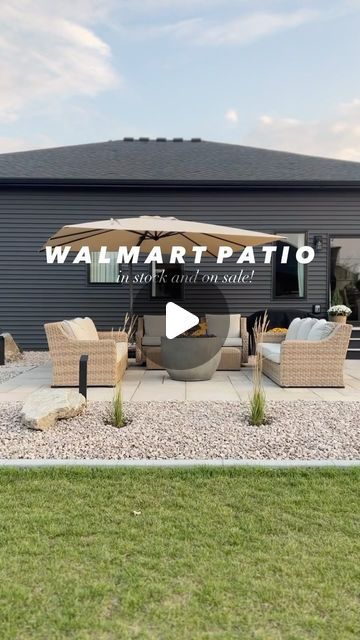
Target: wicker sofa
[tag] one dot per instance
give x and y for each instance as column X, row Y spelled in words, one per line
column 150, row 329
column 107, row 351
column 303, row 362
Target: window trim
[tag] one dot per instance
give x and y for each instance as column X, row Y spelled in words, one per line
column 101, row 284
column 330, row 237
column 274, row 297
column 182, row 285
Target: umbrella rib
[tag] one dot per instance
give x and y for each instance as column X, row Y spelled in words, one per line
column 61, row 244
column 168, row 234
column 75, row 233
column 197, row 244
column 238, row 244
column 79, row 233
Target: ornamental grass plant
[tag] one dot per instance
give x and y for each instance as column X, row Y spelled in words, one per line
column 258, row 397
column 117, row 415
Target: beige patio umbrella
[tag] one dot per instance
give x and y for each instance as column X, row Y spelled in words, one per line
column 149, row 231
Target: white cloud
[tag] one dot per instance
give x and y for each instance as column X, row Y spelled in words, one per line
column 151, row 5
column 336, row 137
column 48, row 52
column 232, row 116
column 9, row 145
column 266, row 120
column 249, row 28
column 240, row 30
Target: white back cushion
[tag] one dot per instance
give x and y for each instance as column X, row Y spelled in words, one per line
column 218, row 323
column 155, row 326
column 92, row 331
column 80, row 329
column 322, row 329
column 304, row 328
column 293, row 329
column 68, row 329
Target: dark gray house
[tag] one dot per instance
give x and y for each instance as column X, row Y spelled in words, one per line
column 313, row 201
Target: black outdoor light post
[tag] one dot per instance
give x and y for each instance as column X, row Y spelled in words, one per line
column 2, row 350
column 83, row 372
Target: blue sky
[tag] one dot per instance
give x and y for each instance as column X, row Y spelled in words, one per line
column 280, row 74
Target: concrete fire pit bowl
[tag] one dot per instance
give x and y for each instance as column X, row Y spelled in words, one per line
column 191, row 358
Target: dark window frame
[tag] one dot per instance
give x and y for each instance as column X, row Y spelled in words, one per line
column 181, row 285
column 103, row 284
column 274, row 297
column 330, row 236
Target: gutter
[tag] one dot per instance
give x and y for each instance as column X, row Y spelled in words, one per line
column 70, row 183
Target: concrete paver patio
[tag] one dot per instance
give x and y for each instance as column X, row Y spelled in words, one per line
column 141, row 385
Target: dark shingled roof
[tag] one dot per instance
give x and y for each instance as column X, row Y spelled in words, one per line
column 192, row 161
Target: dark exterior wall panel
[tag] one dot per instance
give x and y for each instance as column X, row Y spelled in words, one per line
column 32, row 292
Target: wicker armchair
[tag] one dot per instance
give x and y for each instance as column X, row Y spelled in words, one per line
column 310, row 364
column 231, row 357
column 107, row 357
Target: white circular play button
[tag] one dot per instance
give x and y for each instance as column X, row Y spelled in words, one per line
column 178, row 320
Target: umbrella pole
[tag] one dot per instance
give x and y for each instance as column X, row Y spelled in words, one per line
column 131, row 290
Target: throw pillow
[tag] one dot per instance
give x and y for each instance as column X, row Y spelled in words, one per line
column 155, row 326
column 322, row 329
column 304, row 328
column 220, row 324
column 293, row 329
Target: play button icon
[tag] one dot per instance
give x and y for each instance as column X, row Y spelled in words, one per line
column 178, row 320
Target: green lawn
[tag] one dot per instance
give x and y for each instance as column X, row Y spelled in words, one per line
column 214, row 554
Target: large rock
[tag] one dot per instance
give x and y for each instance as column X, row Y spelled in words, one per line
column 12, row 351
column 43, row 407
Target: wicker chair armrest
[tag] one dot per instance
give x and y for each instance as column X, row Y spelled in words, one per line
column 140, row 331
column 117, row 336
column 313, row 351
column 93, row 347
column 140, row 326
column 243, row 326
column 273, row 337
column 245, row 338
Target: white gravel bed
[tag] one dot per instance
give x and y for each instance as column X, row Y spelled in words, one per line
column 195, row 430
column 29, row 360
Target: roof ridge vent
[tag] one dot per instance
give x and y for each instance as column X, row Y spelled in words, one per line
column 161, row 140
column 144, row 139
column 195, row 140
column 178, row 139
column 128, row 139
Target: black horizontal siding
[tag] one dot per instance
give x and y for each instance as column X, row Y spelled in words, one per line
column 32, row 292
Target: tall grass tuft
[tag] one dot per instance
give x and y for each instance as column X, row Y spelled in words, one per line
column 258, row 397
column 129, row 326
column 117, row 416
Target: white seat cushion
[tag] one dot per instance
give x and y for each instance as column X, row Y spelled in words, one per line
column 80, row 329
column 271, row 351
column 304, row 328
column 293, row 329
column 217, row 323
column 155, row 325
column 151, row 341
column 121, row 350
column 322, row 329
column 233, row 342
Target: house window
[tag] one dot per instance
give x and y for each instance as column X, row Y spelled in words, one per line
column 289, row 278
column 345, row 273
column 167, row 281
column 103, row 273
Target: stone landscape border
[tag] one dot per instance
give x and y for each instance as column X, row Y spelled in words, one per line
column 173, row 463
